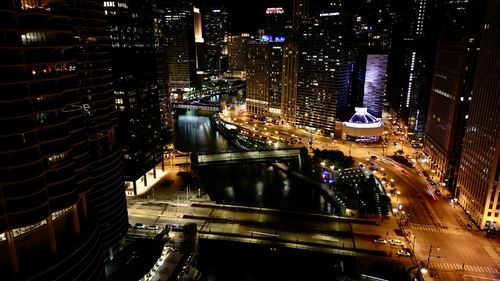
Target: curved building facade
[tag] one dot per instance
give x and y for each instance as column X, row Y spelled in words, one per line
column 54, row 145
column 107, row 196
column 362, row 126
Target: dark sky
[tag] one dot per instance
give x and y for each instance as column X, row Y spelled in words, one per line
column 247, row 15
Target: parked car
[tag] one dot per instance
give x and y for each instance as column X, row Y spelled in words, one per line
column 139, row 226
column 396, row 242
column 153, row 227
column 380, row 241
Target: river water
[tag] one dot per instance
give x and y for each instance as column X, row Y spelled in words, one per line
column 260, row 185
column 250, row 184
column 254, row 185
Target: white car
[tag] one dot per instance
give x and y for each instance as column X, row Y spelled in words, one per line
column 153, row 227
column 396, row 242
column 380, row 241
column 139, row 226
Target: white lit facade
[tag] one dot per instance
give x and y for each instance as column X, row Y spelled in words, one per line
column 375, row 82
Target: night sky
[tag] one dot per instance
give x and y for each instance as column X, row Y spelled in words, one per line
column 247, row 15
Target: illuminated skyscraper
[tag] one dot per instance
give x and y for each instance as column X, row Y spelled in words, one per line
column 479, row 173
column 258, row 79
column 216, row 30
column 199, row 48
column 290, row 65
column 288, row 110
column 181, row 51
column 419, row 58
column 324, row 66
column 130, row 25
column 275, row 72
column 375, row 82
column 160, row 45
column 237, row 52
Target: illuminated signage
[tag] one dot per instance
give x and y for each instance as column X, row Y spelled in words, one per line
column 329, row 14
column 270, row 38
column 275, row 11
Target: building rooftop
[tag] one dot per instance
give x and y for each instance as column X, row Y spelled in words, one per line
column 361, row 115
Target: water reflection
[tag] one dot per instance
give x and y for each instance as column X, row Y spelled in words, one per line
column 256, row 185
column 244, row 184
column 194, row 133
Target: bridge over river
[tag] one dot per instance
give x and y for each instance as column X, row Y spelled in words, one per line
column 246, row 156
column 314, row 232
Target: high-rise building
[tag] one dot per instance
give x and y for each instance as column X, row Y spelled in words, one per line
column 258, row 79
column 130, row 25
column 106, row 198
column 275, row 72
column 160, row 44
column 289, row 82
column 290, row 64
column 61, row 173
column 181, row 50
column 300, row 12
column 324, row 66
column 199, row 44
column 419, row 60
column 479, row 172
column 373, row 23
column 277, row 22
column 396, row 68
column 216, row 30
column 375, row 82
column 446, row 117
column 237, row 52
column 454, row 70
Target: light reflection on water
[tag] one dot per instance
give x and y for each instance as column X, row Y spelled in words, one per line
column 194, row 133
column 244, row 184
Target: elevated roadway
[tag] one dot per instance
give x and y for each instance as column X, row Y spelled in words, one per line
column 247, row 156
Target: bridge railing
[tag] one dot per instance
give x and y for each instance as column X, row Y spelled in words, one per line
column 260, row 154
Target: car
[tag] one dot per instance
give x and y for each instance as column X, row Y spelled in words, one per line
column 404, row 253
column 373, row 157
column 139, row 226
column 174, row 226
column 153, row 227
column 437, row 192
column 380, row 241
column 396, row 242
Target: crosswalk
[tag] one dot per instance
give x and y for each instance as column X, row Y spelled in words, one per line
column 467, row 267
column 492, row 253
column 441, row 230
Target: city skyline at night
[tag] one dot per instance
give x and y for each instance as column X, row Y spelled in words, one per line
column 267, row 140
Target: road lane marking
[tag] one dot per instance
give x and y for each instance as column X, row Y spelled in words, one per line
column 458, row 266
column 442, row 230
column 480, row 277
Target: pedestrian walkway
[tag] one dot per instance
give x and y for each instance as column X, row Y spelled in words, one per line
column 439, row 229
column 491, row 252
column 467, row 267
